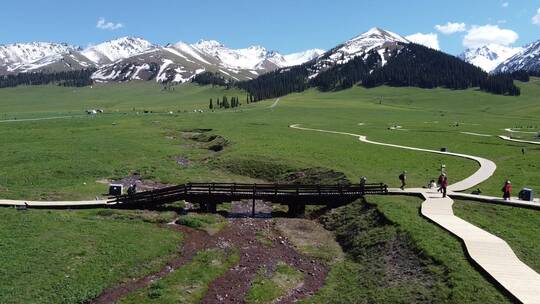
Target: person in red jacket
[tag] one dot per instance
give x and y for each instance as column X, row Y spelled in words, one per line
column 444, row 185
column 507, row 190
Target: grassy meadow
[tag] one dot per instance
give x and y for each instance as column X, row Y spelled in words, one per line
column 71, row 256
column 70, row 158
column 63, row 158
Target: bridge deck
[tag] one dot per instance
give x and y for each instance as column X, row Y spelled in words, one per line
column 276, row 193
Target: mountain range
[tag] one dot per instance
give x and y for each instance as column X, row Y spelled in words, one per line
column 131, row 58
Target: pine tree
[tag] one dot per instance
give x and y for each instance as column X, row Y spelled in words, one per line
column 211, row 106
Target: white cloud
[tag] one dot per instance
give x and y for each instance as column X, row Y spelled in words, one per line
column 430, row 40
column 451, row 28
column 107, row 25
column 505, row 4
column 536, row 18
column 479, row 36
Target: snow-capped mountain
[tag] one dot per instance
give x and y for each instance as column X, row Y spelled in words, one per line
column 181, row 62
column 114, row 50
column 301, row 57
column 490, row 56
column 383, row 42
column 253, row 57
column 131, row 58
column 528, row 59
column 248, row 58
column 28, row 52
column 35, row 56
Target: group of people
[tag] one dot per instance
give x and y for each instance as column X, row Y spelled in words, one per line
column 442, row 182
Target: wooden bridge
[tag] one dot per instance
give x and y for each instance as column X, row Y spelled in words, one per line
column 209, row 195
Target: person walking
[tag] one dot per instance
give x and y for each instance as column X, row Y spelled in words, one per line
column 507, row 190
column 363, row 180
column 402, row 179
column 440, row 181
column 444, row 185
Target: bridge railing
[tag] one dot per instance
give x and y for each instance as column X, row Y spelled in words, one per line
column 252, row 190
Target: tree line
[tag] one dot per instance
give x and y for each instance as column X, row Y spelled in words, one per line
column 209, row 78
column 78, row 78
column 227, row 103
column 410, row 65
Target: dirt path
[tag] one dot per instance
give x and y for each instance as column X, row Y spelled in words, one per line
column 37, row 119
column 194, row 241
column 232, row 287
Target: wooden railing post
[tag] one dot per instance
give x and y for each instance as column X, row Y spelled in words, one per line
column 253, row 202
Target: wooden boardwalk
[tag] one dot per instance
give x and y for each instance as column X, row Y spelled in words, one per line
column 486, row 250
column 54, row 204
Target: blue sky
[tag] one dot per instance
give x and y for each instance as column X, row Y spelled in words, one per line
column 282, row 25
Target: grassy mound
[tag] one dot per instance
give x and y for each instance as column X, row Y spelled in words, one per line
column 189, row 283
column 210, row 223
column 279, row 172
column 311, row 239
column 268, row 286
column 384, row 266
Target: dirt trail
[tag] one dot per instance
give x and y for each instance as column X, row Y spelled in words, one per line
column 194, row 241
column 232, row 287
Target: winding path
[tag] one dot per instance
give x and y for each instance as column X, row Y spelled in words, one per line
column 35, row 119
column 274, row 104
column 517, row 131
column 519, row 140
column 486, row 250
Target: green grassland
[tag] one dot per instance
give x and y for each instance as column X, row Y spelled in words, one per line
column 189, row 283
column 268, row 287
column 71, row 256
column 64, row 158
column 42, row 101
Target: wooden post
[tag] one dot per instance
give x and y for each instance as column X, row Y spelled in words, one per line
column 253, row 202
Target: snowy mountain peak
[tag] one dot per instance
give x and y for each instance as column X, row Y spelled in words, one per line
column 380, row 34
column 528, row 59
column 207, row 44
column 375, row 38
column 301, row 57
column 30, row 52
column 488, row 57
column 120, row 48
